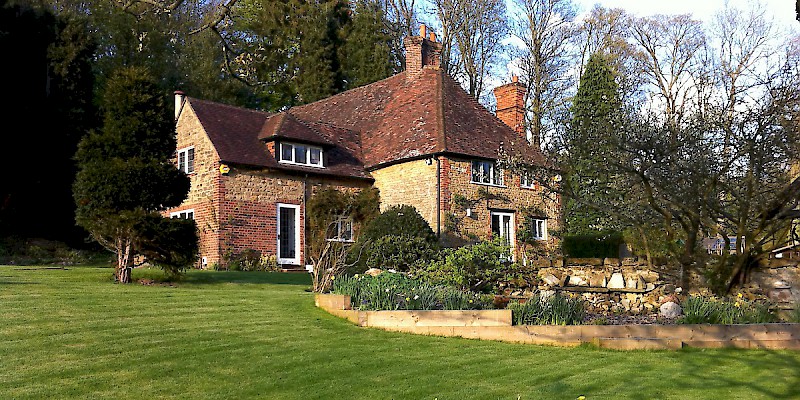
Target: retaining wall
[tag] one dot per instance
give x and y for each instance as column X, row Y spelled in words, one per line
column 496, row 325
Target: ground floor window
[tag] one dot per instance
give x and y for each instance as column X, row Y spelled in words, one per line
column 539, row 228
column 341, row 230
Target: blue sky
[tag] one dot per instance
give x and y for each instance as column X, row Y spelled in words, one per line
column 781, row 10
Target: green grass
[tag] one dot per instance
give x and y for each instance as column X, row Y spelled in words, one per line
column 234, row 335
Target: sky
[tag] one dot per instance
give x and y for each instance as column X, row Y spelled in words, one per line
column 781, row 10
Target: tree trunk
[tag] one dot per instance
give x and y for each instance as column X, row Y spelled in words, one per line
column 123, row 271
column 123, row 275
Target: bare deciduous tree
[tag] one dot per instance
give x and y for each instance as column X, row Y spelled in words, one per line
column 547, row 31
column 671, row 46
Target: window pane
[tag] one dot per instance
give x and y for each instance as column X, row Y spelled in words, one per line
column 346, row 230
column 190, row 215
column 190, row 161
column 182, row 161
column 300, row 154
column 316, row 156
column 286, row 152
column 497, row 175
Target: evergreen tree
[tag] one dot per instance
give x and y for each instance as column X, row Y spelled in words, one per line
column 51, row 83
column 367, row 51
column 595, row 109
column 126, row 178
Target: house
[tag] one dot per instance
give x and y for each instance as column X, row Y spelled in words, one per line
column 417, row 136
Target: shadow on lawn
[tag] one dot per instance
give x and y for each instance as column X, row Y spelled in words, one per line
column 780, row 367
column 273, row 278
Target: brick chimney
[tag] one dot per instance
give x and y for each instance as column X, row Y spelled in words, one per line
column 511, row 105
column 422, row 51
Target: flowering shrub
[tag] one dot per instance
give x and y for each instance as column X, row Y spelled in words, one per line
column 555, row 309
column 712, row 310
column 479, row 267
column 390, row 291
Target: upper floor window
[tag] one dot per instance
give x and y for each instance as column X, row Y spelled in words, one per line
column 184, row 214
column 526, row 181
column 341, row 230
column 486, row 172
column 301, row 154
column 186, row 159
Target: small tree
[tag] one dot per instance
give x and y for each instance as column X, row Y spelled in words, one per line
column 126, row 178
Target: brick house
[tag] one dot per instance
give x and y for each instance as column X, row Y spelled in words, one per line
column 417, row 136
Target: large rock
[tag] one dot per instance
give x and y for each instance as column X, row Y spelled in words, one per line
column 617, row 281
column 670, row 310
column 551, row 280
column 577, row 281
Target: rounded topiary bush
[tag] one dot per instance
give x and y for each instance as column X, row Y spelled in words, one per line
column 399, row 221
column 395, row 239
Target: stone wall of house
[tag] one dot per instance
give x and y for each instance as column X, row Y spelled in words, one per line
column 203, row 195
column 483, row 199
column 411, row 183
column 249, row 205
column 237, row 211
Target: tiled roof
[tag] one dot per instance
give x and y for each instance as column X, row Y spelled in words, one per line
column 363, row 128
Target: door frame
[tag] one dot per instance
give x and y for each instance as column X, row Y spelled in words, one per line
column 512, row 240
column 297, row 248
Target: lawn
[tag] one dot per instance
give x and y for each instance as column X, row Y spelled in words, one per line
column 233, row 335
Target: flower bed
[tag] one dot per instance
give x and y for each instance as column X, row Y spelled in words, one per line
column 496, row 325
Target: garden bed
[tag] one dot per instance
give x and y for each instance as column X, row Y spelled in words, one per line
column 474, row 324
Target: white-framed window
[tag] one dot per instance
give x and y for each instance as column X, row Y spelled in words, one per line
column 539, row 228
column 186, row 159
column 183, row 214
column 300, row 154
column 486, row 172
column 341, row 230
column 526, row 181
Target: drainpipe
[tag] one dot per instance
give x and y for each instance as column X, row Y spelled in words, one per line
column 305, row 217
column 438, row 197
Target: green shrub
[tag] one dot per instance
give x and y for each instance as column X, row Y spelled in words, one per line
column 479, row 267
column 399, row 253
column 395, row 239
column 389, row 291
column 555, row 309
column 702, row 310
column 399, row 221
column 593, row 245
column 250, row 260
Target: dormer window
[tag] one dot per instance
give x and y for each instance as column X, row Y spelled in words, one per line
column 301, row 154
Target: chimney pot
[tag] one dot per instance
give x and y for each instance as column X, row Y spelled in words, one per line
column 421, row 51
column 514, row 78
column 180, row 99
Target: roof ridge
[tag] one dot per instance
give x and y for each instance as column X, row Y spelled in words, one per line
column 216, row 103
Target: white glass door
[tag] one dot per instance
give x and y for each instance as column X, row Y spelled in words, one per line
column 288, row 234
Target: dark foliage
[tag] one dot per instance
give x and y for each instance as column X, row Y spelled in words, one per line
column 399, row 221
